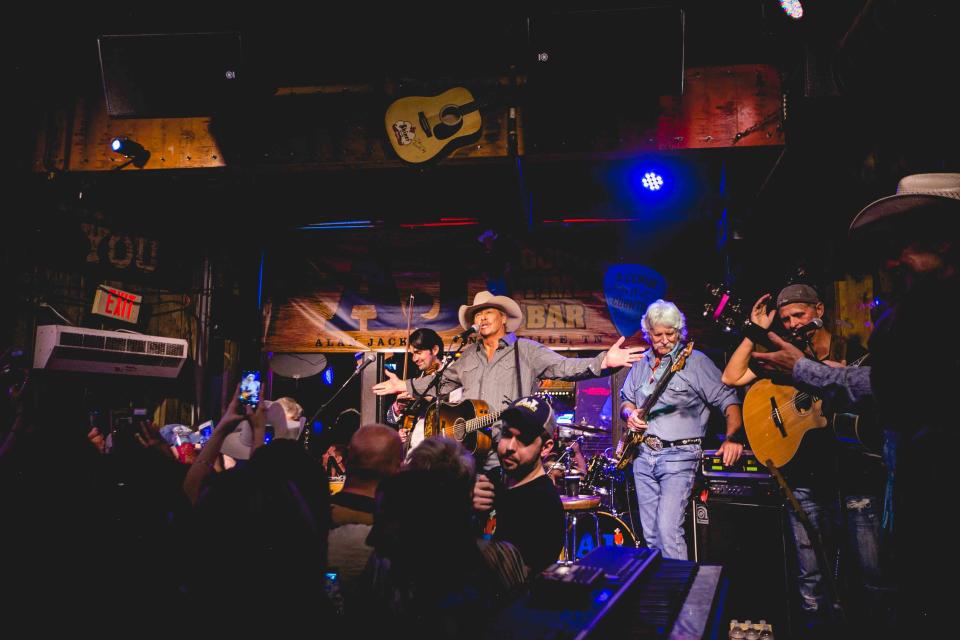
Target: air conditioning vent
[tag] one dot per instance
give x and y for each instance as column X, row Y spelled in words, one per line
column 71, row 339
column 93, row 342
column 91, row 350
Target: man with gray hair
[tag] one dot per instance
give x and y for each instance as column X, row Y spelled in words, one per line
column 674, row 428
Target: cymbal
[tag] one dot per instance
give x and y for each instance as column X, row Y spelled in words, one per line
column 581, row 430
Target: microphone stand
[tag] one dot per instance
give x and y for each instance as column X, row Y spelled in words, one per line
column 308, row 427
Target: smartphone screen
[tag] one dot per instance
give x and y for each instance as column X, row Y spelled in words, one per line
column 250, row 388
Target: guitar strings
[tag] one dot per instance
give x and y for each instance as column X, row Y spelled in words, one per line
column 803, row 396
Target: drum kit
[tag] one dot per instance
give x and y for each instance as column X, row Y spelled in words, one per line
column 598, row 504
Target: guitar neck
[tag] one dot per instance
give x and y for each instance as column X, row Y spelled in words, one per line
column 475, row 424
column 657, row 391
column 470, row 107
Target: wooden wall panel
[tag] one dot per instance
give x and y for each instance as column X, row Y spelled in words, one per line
column 721, row 107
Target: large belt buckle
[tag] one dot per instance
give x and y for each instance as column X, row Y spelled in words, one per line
column 654, row 442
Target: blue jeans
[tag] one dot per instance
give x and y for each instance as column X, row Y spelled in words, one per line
column 862, row 514
column 664, row 480
column 822, row 511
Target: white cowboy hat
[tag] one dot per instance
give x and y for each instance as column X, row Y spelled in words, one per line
column 237, row 445
column 485, row 300
column 919, row 191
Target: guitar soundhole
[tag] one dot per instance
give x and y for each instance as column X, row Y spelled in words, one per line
column 450, row 115
column 459, row 430
column 803, row 402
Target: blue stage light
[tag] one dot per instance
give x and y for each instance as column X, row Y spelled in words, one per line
column 652, row 181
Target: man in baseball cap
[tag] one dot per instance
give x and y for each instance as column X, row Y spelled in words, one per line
column 528, row 508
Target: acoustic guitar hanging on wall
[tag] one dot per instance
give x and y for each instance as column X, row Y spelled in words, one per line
column 421, row 128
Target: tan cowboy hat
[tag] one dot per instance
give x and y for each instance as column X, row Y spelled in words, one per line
column 932, row 191
column 485, row 300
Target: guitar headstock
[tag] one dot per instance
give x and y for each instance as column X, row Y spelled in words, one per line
column 682, row 357
column 724, row 308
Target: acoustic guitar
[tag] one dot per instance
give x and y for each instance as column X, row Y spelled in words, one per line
column 421, row 128
column 463, row 422
column 775, row 416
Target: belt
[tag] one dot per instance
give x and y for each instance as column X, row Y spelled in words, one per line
column 656, row 443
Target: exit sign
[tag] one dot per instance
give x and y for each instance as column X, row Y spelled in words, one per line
column 117, row 304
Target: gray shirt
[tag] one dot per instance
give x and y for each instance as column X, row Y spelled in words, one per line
column 495, row 381
column 684, row 407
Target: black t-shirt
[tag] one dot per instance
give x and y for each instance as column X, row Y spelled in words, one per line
column 530, row 517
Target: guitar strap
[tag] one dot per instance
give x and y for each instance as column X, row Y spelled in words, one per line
column 516, row 357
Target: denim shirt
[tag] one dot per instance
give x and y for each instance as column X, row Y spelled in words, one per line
column 684, row 407
column 853, row 381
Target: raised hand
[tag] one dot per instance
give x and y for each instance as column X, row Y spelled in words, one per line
column 483, row 493
column 390, row 386
column 759, row 314
column 235, row 413
column 617, row 356
column 780, row 361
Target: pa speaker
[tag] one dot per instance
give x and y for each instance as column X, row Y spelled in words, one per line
column 169, row 75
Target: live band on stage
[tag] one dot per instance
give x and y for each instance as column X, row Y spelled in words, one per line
column 645, row 467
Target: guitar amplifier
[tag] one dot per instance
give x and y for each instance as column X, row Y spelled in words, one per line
column 745, row 481
column 747, row 466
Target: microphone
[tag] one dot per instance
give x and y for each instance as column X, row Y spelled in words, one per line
column 368, row 357
column 468, row 332
column 811, row 326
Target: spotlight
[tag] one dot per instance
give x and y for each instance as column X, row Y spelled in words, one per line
column 652, row 181
column 794, row 8
column 328, row 376
column 130, row 149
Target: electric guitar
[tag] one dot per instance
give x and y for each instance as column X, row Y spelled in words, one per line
column 422, row 127
column 630, row 443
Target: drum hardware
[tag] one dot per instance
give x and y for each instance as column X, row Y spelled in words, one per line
column 572, row 482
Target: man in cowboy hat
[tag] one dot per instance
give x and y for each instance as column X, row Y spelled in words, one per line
column 915, row 367
column 501, row 367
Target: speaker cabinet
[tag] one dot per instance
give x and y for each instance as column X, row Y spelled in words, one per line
column 753, row 544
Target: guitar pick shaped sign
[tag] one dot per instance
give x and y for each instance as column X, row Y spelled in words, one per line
column 629, row 289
